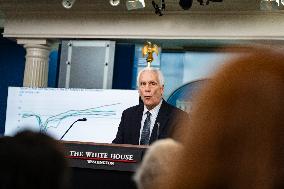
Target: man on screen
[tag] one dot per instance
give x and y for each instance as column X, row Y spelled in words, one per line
column 153, row 118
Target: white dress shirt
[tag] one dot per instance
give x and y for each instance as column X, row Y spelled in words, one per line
column 154, row 113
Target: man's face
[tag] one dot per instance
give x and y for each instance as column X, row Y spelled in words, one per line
column 150, row 90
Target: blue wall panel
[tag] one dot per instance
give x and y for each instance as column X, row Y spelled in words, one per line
column 53, row 68
column 123, row 66
column 12, row 65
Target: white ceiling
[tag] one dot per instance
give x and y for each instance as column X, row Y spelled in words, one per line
column 104, row 5
column 173, row 5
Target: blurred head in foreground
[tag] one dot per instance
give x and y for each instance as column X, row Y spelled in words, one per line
column 155, row 163
column 236, row 134
column 32, row 160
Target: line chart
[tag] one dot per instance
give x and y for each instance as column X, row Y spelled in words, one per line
column 53, row 110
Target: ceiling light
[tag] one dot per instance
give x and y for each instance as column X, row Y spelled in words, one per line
column 185, row 4
column 68, row 3
column 270, row 5
column 135, row 4
column 114, row 2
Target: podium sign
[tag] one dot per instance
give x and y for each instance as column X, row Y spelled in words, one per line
column 104, row 156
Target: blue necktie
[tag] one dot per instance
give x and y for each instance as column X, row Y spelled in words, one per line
column 146, row 130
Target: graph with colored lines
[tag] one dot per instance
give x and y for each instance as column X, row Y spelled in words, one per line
column 96, row 112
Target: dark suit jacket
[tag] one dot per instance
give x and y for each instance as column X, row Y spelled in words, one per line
column 168, row 118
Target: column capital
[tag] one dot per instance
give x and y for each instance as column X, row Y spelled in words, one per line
column 34, row 42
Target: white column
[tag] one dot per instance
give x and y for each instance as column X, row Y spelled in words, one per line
column 36, row 68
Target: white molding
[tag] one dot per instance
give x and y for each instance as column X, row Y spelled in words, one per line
column 32, row 41
column 194, row 26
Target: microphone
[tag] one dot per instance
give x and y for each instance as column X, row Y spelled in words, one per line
column 82, row 119
column 158, row 130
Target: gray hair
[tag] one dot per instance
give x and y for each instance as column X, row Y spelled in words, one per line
column 157, row 71
column 157, row 164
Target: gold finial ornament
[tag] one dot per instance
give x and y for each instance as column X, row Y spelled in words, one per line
column 149, row 49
